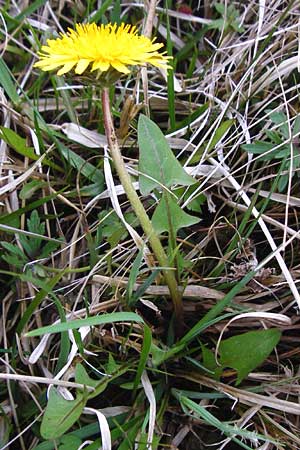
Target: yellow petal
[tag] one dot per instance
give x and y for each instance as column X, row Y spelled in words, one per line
column 82, row 65
column 66, row 68
column 120, row 67
column 101, row 65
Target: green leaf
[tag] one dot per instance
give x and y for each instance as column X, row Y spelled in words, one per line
column 8, row 84
column 178, row 218
column 229, row 18
column 29, row 188
column 90, row 190
column 279, row 118
column 32, row 244
column 284, row 152
column 15, row 257
column 209, row 362
column 111, row 365
column 60, row 414
column 20, row 146
column 158, row 165
column 258, row 147
column 89, row 322
column 119, row 429
column 82, row 377
column 274, row 136
column 247, row 351
column 17, row 143
column 197, row 201
column 47, row 249
column 14, row 261
column 69, row 442
column 87, row 169
column 34, row 225
column 13, row 249
column 220, row 8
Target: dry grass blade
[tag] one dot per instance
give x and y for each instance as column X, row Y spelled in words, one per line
column 246, row 397
column 43, row 380
column 189, row 291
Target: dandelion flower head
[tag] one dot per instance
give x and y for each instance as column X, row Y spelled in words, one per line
column 92, row 47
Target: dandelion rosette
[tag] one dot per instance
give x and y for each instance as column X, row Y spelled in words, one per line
column 100, row 48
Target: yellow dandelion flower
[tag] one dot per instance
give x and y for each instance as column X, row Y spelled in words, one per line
column 104, row 47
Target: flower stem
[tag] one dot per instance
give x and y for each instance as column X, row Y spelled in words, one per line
column 140, row 212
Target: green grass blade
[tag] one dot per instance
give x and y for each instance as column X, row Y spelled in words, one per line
column 37, row 300
column 8, row 83
column 226, row 429
column 217, row 309
column 64, row 341
column 98, row 15
column 147, row 341
column 89, row 322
